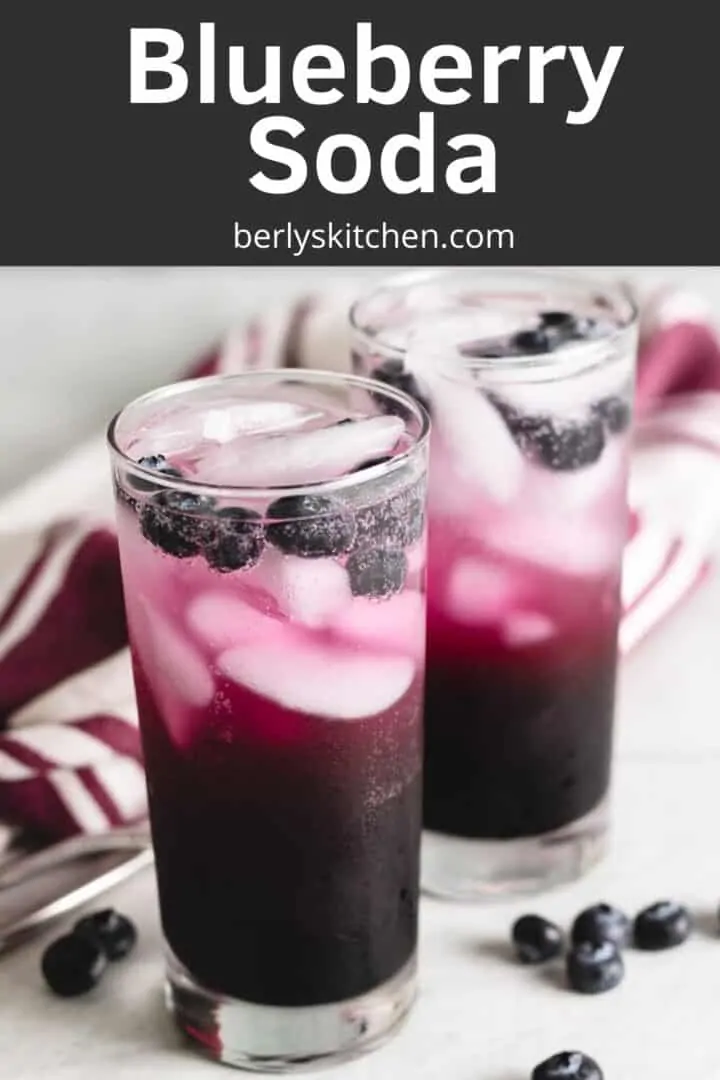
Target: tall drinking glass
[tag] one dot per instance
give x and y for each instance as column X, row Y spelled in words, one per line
column 272, row 542
column 528, row 378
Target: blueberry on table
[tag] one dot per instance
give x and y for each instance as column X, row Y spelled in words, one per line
column 312, row 526
column 156, row 463
column 569, row 1065
column 601, row 922
column 73, row 965
column 237, row 540
column 114, row 933
column 662, row 926
column 594, row 969
column 392, row 373
column 558, row 444
column 536, row 940
column 614, row 412
column 176, row 522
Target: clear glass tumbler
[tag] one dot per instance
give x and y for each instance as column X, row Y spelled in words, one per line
column 272, row 538
column 528, row 378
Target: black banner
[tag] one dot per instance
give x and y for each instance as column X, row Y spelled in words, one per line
column 150, row 132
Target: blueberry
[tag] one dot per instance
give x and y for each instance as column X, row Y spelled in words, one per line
column 561, row 445
column 377, row 572
column 593, row 969
column 599, row 923
column 558, row 320
column 73, row 964
column 395, row 522
column 614, row 413
column 114, row 933
column 157, row 463
column 392, row 373
column 538, row 340
column 313, row 526
column 237, row 540
column 536, row 940
column 570, row 1065
column 174, row 521
column 662, row 926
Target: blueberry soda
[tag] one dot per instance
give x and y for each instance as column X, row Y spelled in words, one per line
column 272, row 533
column 529, row 383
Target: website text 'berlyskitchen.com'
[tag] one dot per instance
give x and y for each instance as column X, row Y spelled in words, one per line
column 381, row 237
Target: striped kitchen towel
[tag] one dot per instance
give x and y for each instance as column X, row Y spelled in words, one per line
column 69, row 749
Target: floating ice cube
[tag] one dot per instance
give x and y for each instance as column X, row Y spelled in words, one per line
column 254, row 418
column 527, row 628
column 479, row 592
column 301, row 458
column 482, row 450
column 221, row 621
column 566, row 545
column 318, row 679
column 308, row 590
column 597, row 486
column 395, row 625
column 175, row 662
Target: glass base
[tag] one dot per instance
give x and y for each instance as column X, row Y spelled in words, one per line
column 458, row 868
column 273, row 1039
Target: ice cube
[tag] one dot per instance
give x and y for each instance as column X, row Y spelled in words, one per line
column 480, row 592
column 599, row 486
column 527, row 628
column 395, row 625
column 175, row 662
column 221, row 621
column 565, row 545
column 308, row 590
column 301, row 458
column 254, row 418
column 320, row 680
column 472, row 432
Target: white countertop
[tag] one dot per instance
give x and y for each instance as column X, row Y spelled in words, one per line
column 480, row 1016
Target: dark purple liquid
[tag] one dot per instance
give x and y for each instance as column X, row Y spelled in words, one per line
column 518, row 741
column 287, row 846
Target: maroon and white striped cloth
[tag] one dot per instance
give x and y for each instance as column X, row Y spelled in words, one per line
column 69, row 750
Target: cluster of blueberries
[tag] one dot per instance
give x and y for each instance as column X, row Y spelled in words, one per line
column 555, row 443
column 75, row 963
column 594, row 960
column 184, row 524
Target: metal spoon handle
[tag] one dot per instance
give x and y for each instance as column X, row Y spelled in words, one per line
column 23, row 868
column 20, row 930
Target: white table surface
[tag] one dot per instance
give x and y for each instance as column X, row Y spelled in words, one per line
column 480, row 1016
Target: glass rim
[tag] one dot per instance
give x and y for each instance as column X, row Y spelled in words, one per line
column 553, row 362
column 177, row 389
